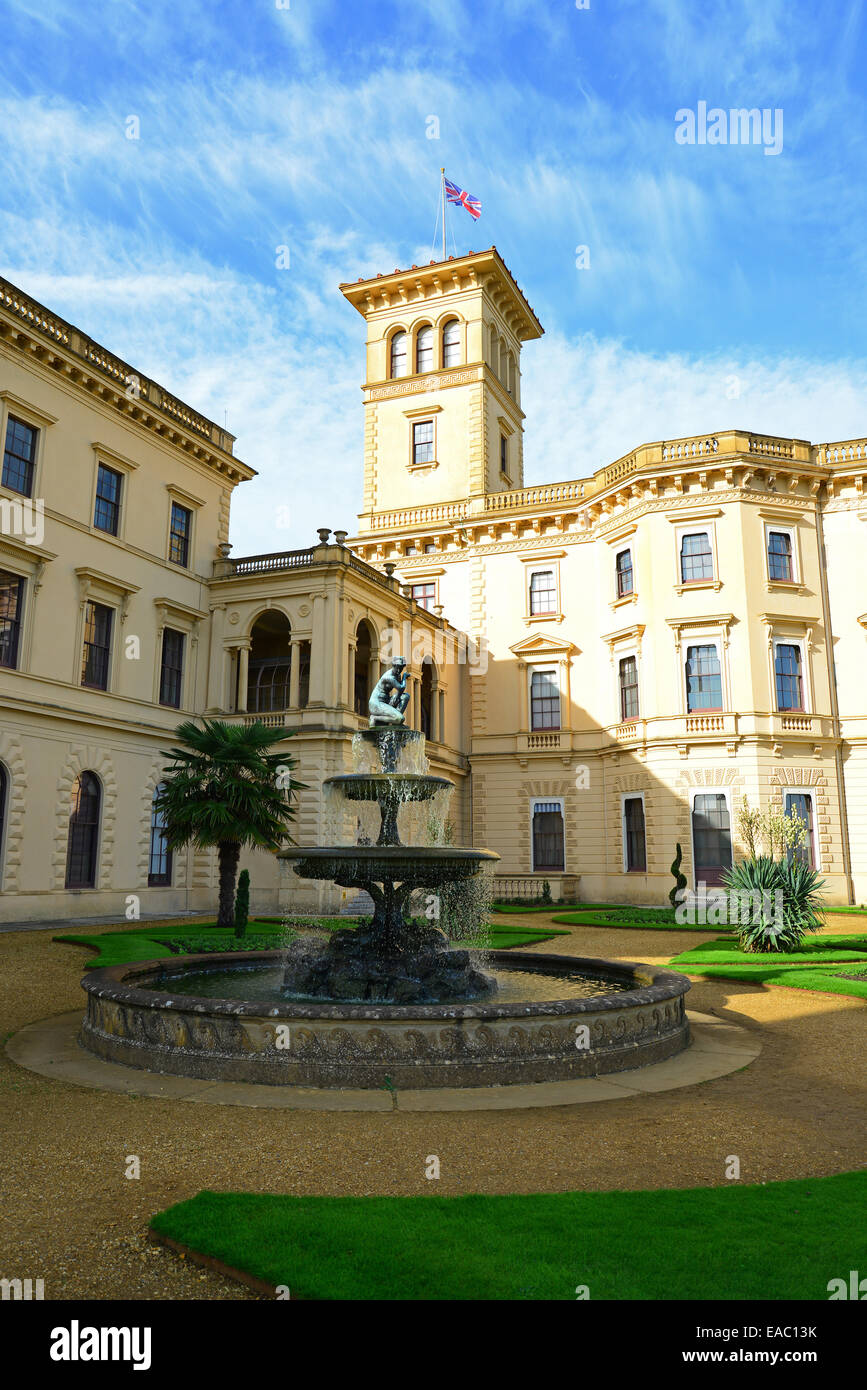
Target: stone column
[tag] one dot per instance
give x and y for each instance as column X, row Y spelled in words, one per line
column 216, row 694
column 294, row 672
column 318, row 665
column 243, row 673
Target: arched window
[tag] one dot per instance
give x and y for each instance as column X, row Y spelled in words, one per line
column 160, row 856
column 451, row 343
column 269, row 665
column 427, row 698
column 4, row 801
column 81, row 846
column 510, row 383
column 364, row 649
column 495, row 352
column 398, row 354
column 424, row 349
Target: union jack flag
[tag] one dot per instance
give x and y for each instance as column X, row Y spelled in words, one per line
column 463, row 199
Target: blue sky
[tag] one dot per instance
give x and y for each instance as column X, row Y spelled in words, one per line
column 724, row 285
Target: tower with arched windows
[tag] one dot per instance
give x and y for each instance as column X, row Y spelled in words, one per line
column 442, row 393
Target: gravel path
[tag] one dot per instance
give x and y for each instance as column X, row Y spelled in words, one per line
column 69, row 1215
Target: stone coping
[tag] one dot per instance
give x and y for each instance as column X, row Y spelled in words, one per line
column 116, row 983
column 50, row 1048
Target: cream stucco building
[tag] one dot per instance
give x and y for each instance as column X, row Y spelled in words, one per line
column 604, row 667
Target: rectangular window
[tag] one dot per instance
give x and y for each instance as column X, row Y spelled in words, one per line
column 711, row 838
column 703, row 678
column 544, row 700
column 633, row 835
column 172, row 668
column 160, row 856
column 97, row 646
column 780, row 555
column 504, row 454
column 802, row 803
column 424, row 594
column 422, row 441
column 543, row 592
column 696, row 558
column 624, row 573
column 19, row 456
column 11, row 611
column 106, row 513
column 787, row 674
column 628, row 688
column 549, row 849
column 179, row 535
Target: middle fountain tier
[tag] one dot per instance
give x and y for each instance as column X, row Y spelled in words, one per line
column 394, row 959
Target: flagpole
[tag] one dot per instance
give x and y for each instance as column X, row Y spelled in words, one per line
column 443, row 193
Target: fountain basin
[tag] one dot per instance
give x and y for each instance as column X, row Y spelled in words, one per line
column 424, row 866
column 135, row 1019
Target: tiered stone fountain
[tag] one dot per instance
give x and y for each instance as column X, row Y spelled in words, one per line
column 391, row 1004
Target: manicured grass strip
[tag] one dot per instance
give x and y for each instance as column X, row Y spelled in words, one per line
column 862, row 909
column 529, row 907
column 633, row 919
column 155, row 943
column 818, row 949
column 783, row 1240
column 792, row 976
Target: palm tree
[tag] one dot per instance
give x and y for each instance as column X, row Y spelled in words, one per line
column 225, row 789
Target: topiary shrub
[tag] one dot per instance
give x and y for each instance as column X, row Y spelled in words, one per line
column 242, row 903
column 680, row 879
column 546, row 892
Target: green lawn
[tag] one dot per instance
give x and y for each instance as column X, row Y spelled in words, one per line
column 633, row 918
column 783, row 1240
column 263, row 934
column 819, row 964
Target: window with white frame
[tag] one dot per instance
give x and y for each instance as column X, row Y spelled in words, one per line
column 624, row 573
column 424, row 346
column 549, row 840
column 801, row 802
column 627, row 673
column 703, row 674
column 696, row 557
column 423, row 441
column 543, row 592
column 781, row 555
column 544, row 700
column 397, row 355
column 451, row 343
column 789, row 675
column 711, row 837
column 634, row 838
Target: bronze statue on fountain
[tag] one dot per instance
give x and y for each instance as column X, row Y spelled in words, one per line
column 395, row 959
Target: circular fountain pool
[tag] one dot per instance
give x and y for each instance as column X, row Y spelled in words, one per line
column 225, row 1017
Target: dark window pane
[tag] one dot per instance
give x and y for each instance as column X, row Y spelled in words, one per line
column 172, row 668
column 179, row 538
column 787, row 672
column 97, row 645
column 4, row 801
column 11, row 611
column 549, row 850
column 703, row 679
column 624, row 573
column 543, row 592
column 633, row 825
column 106, row 514
column 268, row 684
column 19, row 456
column 696, row 558
column 83, row 832
column 711, row 838
column 160, row 857
column 779, row 555
column 802, row 803
column 544, row 701
column 629, row 688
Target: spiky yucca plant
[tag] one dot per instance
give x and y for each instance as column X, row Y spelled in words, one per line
column 224, row 788
column 780, row 902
